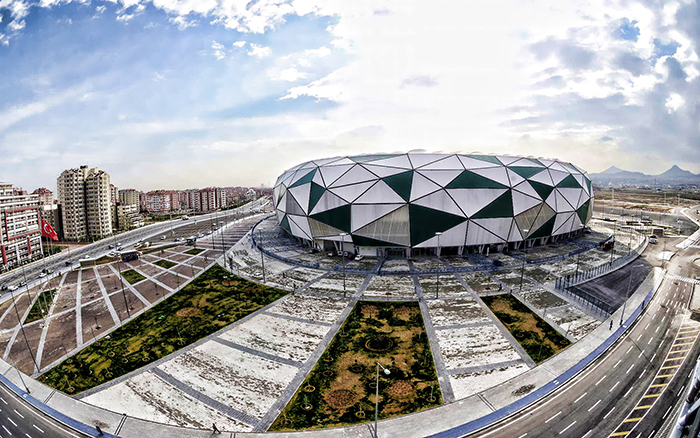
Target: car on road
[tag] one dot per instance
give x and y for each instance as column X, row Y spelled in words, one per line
column 162, row 237
column 42, row 274
column 67, row 263
column 4, row 287
column 359, row 257
column 12, row 287
column 22, row 283
column 654, row 241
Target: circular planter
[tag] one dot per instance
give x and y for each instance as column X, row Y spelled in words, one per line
column 431, row 399
column 328, row 359
column 309, row 388
column 360, row 414
column 70, row 389
column 110, row 354
column 307, row 407
column 328, row 373
column 356, row 368
column 379, row 343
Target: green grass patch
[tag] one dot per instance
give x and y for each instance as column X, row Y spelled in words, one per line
column 132, row 276
column 42, row 303
column 166, row 264
column 198, row 310
column 158, row 248
column 194, row 251
column 341, row 388
column 537, row 338
column 106, row 259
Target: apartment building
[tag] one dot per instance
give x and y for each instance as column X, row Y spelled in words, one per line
column 85, row 198
column 129, row 197
column 128, row 216
column 20, row 233
column 49, row 209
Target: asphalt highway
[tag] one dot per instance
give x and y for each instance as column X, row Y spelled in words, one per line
column 621, row 394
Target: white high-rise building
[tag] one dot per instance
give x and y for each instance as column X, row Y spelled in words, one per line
column 20, row 234
column 85, row 198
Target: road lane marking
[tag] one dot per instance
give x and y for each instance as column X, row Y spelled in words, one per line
column 657, row 329
column 647, row 326
column 665, row 375
column 523, row 435
column 679, row 392
column 628, row 392
column 3, row 400
column 629, row 349
column 613, row 387
column 37, row 428
column 669, row 367
column 553, row 417
column 640, row 354
column 580, row 397
column 567, row 427
column 651, row 396
column 7, row 430
column 667, row 411
column 620, row 434
column 681, row 351
column 601, row 379
column 21, row 416
column 629, row 369
column 618, row 363
column 593, row 407
column 632, row 420
column 640, row 336
column 650, row 339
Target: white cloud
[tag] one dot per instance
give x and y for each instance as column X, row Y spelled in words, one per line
column 125, row 17
column 239, row 44
column 290, row 75
column 219, row 51
column 259, row 51
column 673, row 102
column 157, row 77
column 183, row 23
column 321, row 52
column 100, row 9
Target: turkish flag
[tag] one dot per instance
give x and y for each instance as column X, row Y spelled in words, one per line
column 48, row 231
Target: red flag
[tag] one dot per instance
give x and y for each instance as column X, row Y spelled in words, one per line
column 48, row 231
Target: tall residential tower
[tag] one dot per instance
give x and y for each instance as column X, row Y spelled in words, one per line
column 84, row 195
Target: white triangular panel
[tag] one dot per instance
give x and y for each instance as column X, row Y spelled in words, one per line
column 557, row 176
column 299, row 175
column 472, row 163
column 419, row 160
column 572, row 196
column 421, row 186
column 542, row 177
column 280, row 216
column 448, row 163
column 552, row 200
column 318, row 179
column 562, row 204
column 327, row 161
column 514, row 235
column 478, row 235
column 362, row 214
column 283, row 202
column 515, row 179
column 582, row 199
column 523, row 202
column 352, row 191
column 563, row 223
column 400, row 161
column 545, row 214
column 546, row 162
column 557, row 166
column 382, row 171
column 526, row 188
column 328, row 201
column 301, row 194
column 287, row 177
column 577, row 225
column 332, row 173
column 497, row 174
column 498, row 226
column 570, row 168
column 455, row 236
column 582, row 181
column 299, row 226
column 526, row 163
column 471, row 201
column 507, row 160
column 441, row 201
column 308, row 165
column 342, row 161
column 380, row 193
column 441, row 177
column 354, row 175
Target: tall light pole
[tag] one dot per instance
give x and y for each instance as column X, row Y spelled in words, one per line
column 376, row 397
column 342, row 252
column 522, row 268
column 437, row 274
column 262, row 256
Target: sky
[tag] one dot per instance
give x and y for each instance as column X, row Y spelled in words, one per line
column 195, row 93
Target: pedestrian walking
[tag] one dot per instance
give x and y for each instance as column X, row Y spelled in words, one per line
column 99, row 431
column 611, row 324
column 216, row 429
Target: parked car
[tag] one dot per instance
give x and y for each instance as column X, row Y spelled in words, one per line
column 12, row 287
column 4, row 287
column 330, row 253
column 654, row 241
column 67, row 263
column 359, row 257
column 22, row 283
column 42, row 274
column 162, row 237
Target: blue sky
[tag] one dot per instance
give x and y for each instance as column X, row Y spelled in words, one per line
column 177, row 94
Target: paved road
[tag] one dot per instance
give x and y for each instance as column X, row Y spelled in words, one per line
column 58, row 262
column 19, row 419
column 599, row 401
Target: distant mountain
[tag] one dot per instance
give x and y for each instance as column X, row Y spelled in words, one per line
column 674, row 175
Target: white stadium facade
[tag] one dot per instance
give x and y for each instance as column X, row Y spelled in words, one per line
column 377, row 205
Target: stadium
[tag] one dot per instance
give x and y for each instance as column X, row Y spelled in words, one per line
column 403, row 204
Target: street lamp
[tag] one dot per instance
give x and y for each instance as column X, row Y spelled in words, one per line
column 437, row 274
column 522, row 268
column 262, row 256
column 376, row 397
column 342, row 253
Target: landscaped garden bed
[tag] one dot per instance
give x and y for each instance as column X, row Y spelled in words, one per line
column 194, row 251
column 165, row 264
column 537, row 338
column 212, row 301
column 340, row 390
column 132, row 276
column 41, row 306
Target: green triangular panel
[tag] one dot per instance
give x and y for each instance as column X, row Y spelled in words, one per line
column 336, row 217
column 545, row 230
column 285, row 224
column 425, row 222
column 500, row 207
column 526, row 171
column 366, row 158
column 316, row 193
column 569, row 183
column 542, row 189
column 535, row 160
column 588, row 182
column 471, row 180
column 583, row 211
column 368, row 241
column 487, row 158
column 304, row 179
column 401, row 183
